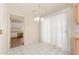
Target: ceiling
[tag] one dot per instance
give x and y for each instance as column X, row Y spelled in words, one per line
column 34, row 9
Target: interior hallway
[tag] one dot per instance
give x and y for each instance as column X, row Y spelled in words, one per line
column 45, row 28
column 36, row 49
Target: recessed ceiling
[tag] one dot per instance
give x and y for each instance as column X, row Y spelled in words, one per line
column 32, row 8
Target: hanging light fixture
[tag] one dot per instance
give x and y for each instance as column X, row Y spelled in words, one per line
column 39, row 18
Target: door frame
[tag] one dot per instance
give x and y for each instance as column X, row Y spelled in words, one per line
column 8, row 27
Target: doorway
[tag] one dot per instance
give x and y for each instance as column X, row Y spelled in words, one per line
column 16, row 31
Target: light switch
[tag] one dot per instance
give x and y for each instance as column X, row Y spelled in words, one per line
column 0, row 32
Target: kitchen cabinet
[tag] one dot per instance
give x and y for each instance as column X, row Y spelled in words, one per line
column 76, row 46
column 77, row 13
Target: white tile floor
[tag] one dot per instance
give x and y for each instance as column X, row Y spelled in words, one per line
column 35, row 49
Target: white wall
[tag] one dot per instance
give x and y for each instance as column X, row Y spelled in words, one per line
column 3, row 26
column 46, row 30
column 32, row 30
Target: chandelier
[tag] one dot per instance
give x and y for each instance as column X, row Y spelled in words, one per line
column 38, row 18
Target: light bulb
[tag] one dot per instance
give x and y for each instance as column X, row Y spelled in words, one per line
column 36, row 19
column 42, row 19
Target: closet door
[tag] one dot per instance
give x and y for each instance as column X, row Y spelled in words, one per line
column 62, row 31
column 59, row 31
column 54, row 31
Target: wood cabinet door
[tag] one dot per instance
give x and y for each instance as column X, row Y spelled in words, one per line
column 77, row 13
column 77, row 46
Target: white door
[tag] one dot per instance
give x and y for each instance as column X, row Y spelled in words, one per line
column 3, row 27
column 61, row 30
column 54, row 30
